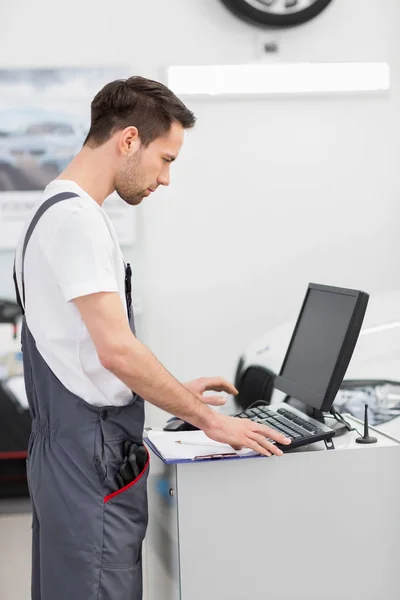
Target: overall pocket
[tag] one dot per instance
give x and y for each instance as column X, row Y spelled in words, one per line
column 121, row 584
column 125, row 518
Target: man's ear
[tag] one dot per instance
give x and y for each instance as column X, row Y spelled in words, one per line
column 129, row 141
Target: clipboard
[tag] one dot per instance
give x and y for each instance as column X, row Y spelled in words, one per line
column 195, row 446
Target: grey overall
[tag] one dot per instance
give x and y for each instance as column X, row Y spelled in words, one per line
column 87, row 533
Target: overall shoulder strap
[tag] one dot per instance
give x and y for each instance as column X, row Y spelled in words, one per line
column 40, row 212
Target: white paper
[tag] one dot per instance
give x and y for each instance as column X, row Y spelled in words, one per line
column 200, row 445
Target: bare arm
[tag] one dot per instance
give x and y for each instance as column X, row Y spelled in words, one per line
column 121, row 353
column 133, row 363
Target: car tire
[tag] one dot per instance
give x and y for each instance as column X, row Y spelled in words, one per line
column 265, row 17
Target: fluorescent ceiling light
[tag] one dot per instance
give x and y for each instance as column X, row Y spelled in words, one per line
column 295, row 78
column 379, row 328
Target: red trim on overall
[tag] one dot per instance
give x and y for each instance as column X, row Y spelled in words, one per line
column 126, row 487
column 13, row 455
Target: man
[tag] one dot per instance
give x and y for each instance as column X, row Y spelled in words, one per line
column 87, row 466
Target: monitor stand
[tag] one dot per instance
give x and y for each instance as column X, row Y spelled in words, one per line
column 329, row 420
column 318, row 415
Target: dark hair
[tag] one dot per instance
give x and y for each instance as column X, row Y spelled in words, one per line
column 148, row 105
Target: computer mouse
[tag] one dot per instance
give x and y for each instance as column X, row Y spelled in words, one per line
column 176, row 424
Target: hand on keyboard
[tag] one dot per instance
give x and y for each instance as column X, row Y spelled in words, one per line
column 244, row 433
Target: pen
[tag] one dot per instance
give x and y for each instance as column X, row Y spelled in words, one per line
column 217, row 444
column 216, row 455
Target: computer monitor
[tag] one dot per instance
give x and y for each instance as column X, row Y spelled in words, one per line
column 322, row 345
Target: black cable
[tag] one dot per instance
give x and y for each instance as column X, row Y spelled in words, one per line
column 262, row 403
column 255, row 403
column 340, row 419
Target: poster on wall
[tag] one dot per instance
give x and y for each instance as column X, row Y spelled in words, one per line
column 44, row 119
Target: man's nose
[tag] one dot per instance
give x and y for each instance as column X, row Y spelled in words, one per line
column 164, row 178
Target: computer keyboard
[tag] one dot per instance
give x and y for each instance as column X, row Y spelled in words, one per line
column 289, row 423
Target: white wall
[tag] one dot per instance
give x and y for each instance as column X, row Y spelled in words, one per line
column 267, row 195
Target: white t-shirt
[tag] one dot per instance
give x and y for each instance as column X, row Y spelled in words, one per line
column 73, row 251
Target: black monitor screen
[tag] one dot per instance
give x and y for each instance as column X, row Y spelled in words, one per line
column 317, row 344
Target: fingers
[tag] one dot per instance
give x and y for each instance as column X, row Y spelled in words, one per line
column 254, row 445
column 213, row 400
column 258, row 445
column 270, row 433
column 243, row 433
column 264, row 443
column 219, row 384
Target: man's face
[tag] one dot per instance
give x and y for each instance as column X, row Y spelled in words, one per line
column 142, row 172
